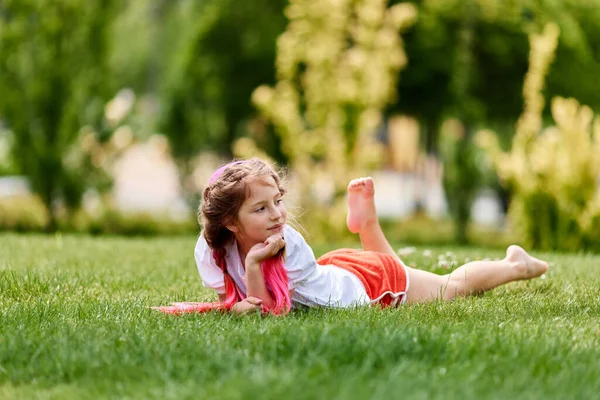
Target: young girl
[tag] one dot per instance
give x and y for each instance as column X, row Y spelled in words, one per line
column 245, row 225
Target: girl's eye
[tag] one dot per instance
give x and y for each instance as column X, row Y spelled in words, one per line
column 259, row 209
column 279, row 201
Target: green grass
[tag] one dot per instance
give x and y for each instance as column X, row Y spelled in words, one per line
column 74, row 323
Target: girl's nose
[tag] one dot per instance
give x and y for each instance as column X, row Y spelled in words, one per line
column 276, row 213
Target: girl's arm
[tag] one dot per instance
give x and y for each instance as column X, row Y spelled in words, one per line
column 259, row 289
column 255, row 283
column 255, row 280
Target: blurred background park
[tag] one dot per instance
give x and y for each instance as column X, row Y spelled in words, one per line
column 477, row 118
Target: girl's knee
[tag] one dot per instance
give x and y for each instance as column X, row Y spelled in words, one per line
column 425, row 286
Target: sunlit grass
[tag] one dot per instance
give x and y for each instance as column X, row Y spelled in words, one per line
column 74, row 323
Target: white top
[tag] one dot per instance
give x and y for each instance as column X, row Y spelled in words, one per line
column 313, row 284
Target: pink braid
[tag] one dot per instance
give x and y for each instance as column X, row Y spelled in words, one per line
column 276, row 280
column 232, row 293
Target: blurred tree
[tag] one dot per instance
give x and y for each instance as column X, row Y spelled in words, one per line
column 229, row 53
column 7, row 162
column 210, row 54
column 462, row 177
column 499, row 54
column 574, row 72
column 149, row 37
column 53, row 81
column 337, row 65
column 554, row 170
column 467, row 61
column 133, row 38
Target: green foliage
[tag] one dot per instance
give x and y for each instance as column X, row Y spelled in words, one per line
column 577, row 56
column 591, row 236
column 7, row 163
column 53, row 80
column 28, row 214
column 227, row 54
column 136, row 224
column 499, row 59
column 555, row 202
column 199, row 62
column 337, row 64
column 465, row 173
column 425, row 231
column 75, row 325
column 554, row 171
column 23, row 214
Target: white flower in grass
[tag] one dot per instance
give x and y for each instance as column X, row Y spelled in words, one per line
column 427, row 253
column 405, row 251
column 116, row 109
column 443, row 263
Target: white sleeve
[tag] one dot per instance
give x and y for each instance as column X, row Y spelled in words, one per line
column 211, row 274
column 300, row 260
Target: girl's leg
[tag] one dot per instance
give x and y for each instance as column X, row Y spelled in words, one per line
column 362, row 216
column 472, row 278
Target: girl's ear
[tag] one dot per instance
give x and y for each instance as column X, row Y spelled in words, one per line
column 231, row 225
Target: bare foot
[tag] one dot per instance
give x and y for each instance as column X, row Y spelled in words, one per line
column 529, row 267
column 361, row 205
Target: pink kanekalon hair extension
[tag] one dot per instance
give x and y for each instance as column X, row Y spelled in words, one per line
column 276, row 281
column 236, row 174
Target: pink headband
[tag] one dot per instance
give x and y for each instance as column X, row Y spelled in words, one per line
column 220, row 170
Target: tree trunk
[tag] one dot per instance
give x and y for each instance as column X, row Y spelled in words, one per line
column 48, row 200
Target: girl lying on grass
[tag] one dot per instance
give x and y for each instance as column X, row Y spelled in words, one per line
column 255, row 261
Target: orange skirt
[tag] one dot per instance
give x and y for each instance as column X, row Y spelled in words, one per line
column 383, row 275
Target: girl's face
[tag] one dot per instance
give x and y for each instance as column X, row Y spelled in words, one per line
column 261, row 215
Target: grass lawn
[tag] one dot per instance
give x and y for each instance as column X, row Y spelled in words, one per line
column 74, row 323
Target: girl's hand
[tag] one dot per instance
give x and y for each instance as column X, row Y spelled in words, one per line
column 261, row 251
column 247, row 305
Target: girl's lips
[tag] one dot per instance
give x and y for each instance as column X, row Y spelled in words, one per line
column 276, row 227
